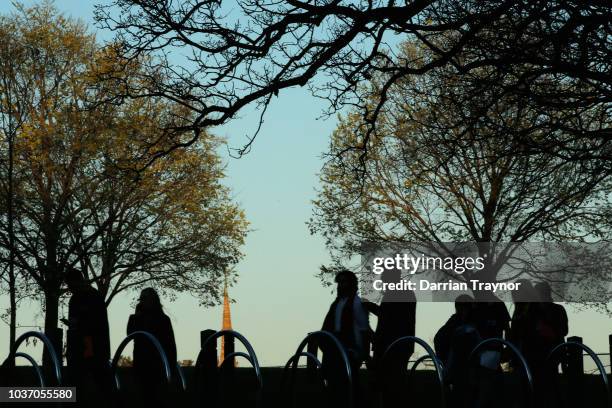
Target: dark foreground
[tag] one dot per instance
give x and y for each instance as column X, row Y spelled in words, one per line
column 421, row 390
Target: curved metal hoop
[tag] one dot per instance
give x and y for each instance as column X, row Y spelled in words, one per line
column 57, row 367
column 430, row 354
column 236, row 354
column 156, row 344
column 419, row 361
column 181, row 376
column 290, row 362
column 41, row 380
column 252, row 357
column 526, row 370
column 594, row 357
column 300, row 353
column 297, row 357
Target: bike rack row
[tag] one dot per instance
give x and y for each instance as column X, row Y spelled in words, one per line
column 290, row 367
column 168, row 372
column 250, row 356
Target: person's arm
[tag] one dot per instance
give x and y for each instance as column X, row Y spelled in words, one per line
column 131, row 325
column 505, row 318
column 363, row 325
column 328, row 322
column 506, row 333
column 442, row 343
column 361, row 316
column 371, row 307
column 412, row 318
column 564, row 323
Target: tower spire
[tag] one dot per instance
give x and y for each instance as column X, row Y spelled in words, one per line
column 227, row 319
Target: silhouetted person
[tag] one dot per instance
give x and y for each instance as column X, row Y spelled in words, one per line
column 537, row 327
column 88, row 343
column 523, row 318
column 148, row 366
column 492, row 320
column 464, row 306
column 396, row 319
column 552, row 325
column 347, row 319
column 453, row 343
column 549, row 328
column 207, row 374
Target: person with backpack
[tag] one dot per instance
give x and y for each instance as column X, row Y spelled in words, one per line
column 453, row 344
column 347, row 320
column 492, row 321
column 545, row 327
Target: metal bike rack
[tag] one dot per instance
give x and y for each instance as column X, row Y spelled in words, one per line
column 251, row 357
column 156, row 344
column 230, row 356
column 57, row 367
column 430, row 354
column 181, row 377
column 420, row 360
column 292, row 362
column 594, row 357
column 526, row 370
column 302, row 354
column 41, row 379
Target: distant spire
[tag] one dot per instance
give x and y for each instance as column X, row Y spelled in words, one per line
column 227, row 319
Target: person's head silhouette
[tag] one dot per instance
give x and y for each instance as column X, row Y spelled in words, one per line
column 524, row 293
column 391, row 276
column 346, row 283
column 544, row 291
column 149, row 301
column 75, row 281
column 464, row 305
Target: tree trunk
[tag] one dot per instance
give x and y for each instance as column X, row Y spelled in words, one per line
column 11, row 235
column 51, row 323
column 12, row 305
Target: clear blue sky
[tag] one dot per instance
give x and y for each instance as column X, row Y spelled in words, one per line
column 278, row 298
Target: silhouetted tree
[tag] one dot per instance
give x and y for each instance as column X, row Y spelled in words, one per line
column 173, row 227
column 81, row 197
column 218, row 57
column 443, row 167
column 13, row 89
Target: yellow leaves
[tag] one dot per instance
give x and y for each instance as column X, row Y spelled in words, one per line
column 69, row 132
column 80, row 161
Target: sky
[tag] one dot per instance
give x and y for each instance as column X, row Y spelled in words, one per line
column 278, row 298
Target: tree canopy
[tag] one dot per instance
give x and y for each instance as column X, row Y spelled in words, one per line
column 443, row 167
column 82, row 198
column 218, row 57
